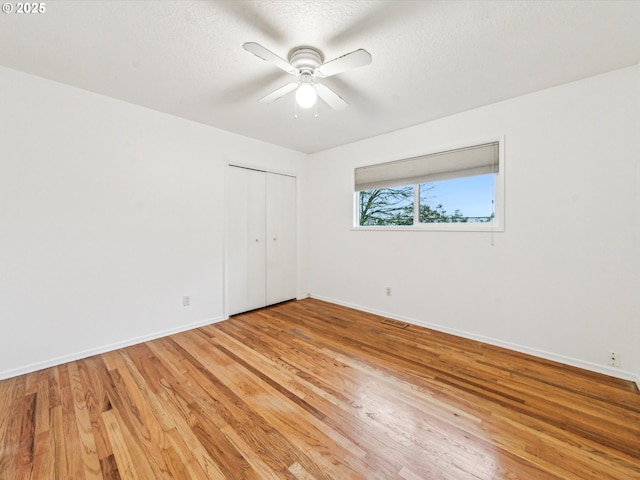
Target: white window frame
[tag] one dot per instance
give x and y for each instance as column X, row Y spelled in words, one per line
column 498, row 223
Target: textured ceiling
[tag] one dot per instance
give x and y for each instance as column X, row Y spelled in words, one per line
column 430, row 58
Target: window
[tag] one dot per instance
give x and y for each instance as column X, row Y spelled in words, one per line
column 457, row 189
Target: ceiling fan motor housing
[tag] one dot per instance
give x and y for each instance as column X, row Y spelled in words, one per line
column 305, row 59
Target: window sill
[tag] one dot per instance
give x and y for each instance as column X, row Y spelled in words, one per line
column 439, row 227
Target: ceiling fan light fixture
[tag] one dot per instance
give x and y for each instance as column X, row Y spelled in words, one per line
column 306, row 96
column 306, row 63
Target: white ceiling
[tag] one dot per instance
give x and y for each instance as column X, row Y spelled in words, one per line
column 430, row 58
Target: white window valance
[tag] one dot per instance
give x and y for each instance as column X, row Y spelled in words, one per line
column 462, row 162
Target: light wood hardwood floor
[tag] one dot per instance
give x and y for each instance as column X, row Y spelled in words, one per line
column 311, row 390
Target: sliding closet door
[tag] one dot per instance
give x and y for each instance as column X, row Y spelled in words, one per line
column 246, row 248
column 281, row 238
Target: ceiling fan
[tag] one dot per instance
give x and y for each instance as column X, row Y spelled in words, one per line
column 306, row 63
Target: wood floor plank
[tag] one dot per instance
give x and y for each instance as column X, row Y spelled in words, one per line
column 42, row 403
column 73, row 443
column 91, row 371
column 314, row 391
column 123, row 457
column 88, row 449
column 188, row 458
column 136, row 418
column 300, row 473
column 27, row 437
column 176, row 396
column 109, row 468
column 58, row 444
column 11, row 410
column 44, row 465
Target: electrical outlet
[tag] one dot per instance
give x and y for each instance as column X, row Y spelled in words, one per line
column 186, row 300
column 388, row 291
column 613, row 359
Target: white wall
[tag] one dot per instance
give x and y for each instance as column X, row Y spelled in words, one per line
column 562, row 281
column 109, row 214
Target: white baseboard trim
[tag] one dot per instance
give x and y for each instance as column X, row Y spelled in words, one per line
column 105, row 348
column 574, row 362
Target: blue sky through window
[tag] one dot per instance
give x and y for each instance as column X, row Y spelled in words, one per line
column 473, row 196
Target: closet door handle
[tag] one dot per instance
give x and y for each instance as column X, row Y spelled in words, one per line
column 257, row 240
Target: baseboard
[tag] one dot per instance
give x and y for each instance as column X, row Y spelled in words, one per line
column 105, row 348
column 574, row 362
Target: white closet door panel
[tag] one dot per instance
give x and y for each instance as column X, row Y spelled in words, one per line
column 256, row 296
column 246, row 251
column 281, row 238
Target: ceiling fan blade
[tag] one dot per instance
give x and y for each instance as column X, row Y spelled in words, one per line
column 355, row 59
column 268, row 56
column 281, row 92
column 334, row 100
